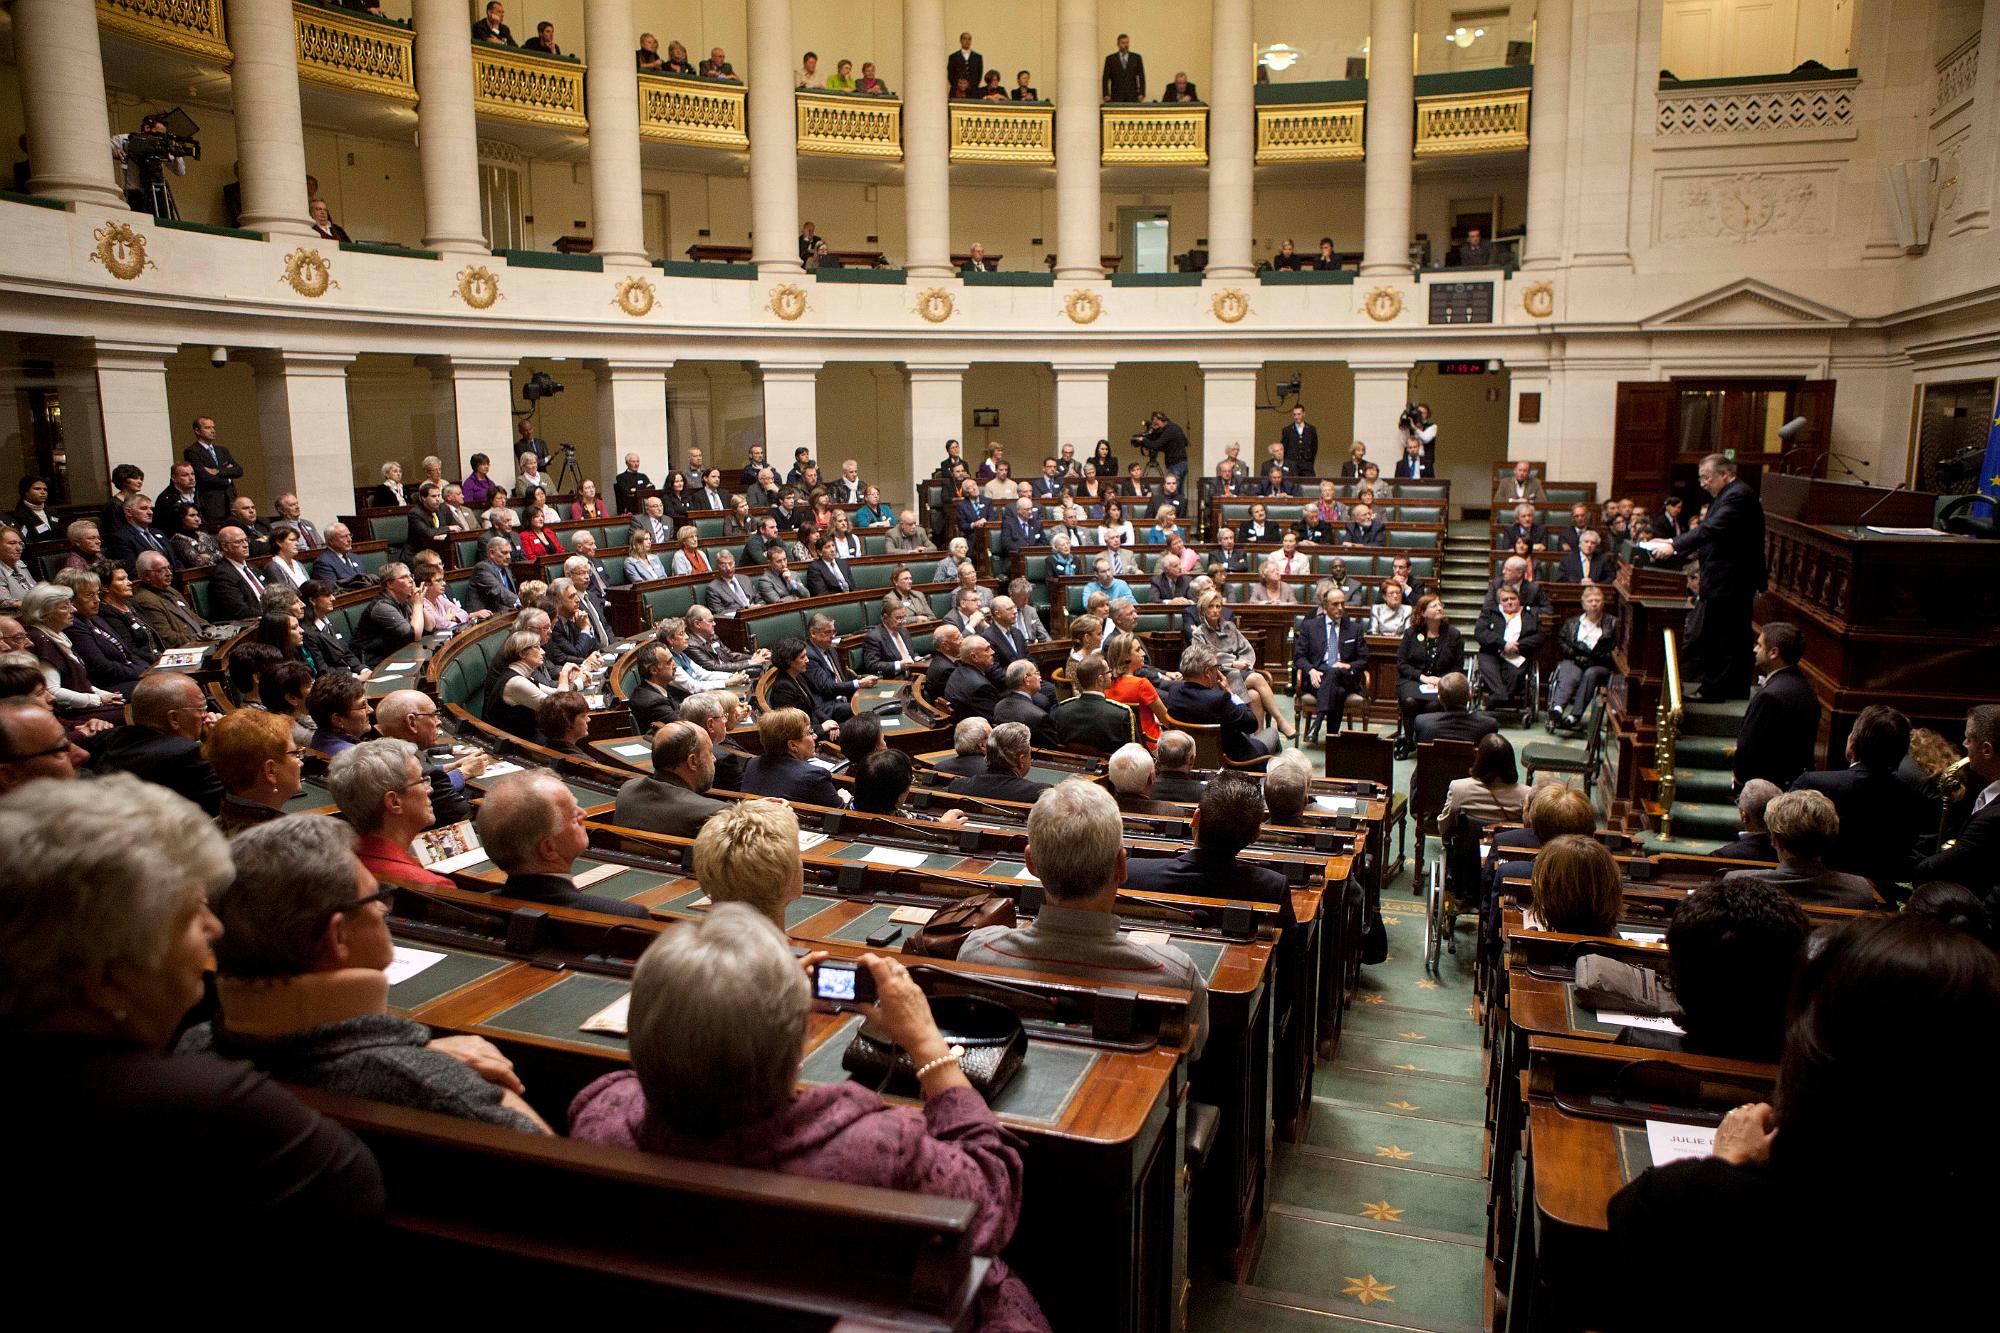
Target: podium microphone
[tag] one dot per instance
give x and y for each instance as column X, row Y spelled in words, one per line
column 1880, row 501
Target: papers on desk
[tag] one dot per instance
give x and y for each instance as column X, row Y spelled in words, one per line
column 180, row 659
column 828, row 765
column 463, row 861
column 596, row 875
column 394, row 668
column 636, row 750
column 408, row 962
column 808, row 841
column 1668, row 1142
column 1907, row 532
column 913, row 916
column 1643, row 936
column 894, row 856
column 1340, row 805
column 890, row 721
column 500, row 770
column 1028, row 875
column 448, row 847
column 1639, row 1021
column 1149, row 937
column 611, row 1018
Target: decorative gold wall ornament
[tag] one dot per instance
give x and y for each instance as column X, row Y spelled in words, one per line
column 478, row 287
column 935, row 304
column 1082, row 307
column 1539, row 300
column 1383, row 304
column 635, row 296
column 122, row 251
column 307, row 273
column 1230, row 305
column 788, row 301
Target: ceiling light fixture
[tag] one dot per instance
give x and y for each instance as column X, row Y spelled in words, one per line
column 1464, row 37
column 1279, row 57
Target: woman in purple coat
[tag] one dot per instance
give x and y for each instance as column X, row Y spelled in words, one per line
column 718, row 1025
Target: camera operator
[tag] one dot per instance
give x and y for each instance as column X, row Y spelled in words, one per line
column 1166, row 441
column 145, row 164
column 1416, row 423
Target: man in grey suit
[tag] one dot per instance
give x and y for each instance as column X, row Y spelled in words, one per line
column 670, row 800
column 778, row 584
column 727, row 594
column 1803, row 827
column 493, row 581
column 1018, row 702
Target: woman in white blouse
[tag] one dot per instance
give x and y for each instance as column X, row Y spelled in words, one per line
column 1390, row 615
column 1087, row 631
column 1587, row 644
column 285, row 556
column 1114, row 521
column 850, row 543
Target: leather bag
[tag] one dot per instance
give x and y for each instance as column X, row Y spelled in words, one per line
column 994, row 1043
column 945, row 932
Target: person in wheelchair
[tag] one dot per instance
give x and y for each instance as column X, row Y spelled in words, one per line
column 1588, row 641
column 1492, row 792
column 1508, row 635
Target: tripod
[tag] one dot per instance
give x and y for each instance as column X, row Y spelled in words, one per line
column 567, row 466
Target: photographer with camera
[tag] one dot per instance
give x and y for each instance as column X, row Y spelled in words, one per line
column 1415, row 424
column 144, row 160
column 1165, row 443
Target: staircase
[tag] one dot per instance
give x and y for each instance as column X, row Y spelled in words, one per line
column 1704, row 763
column 1465, row 571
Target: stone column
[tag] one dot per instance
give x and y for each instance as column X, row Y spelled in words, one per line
column 688, row 401
column 475, row 406
column 791, row 408
column 1614, row 77
column 132, row 408
column 926, row 142
column 1228, row 416
column 1079, row 207
column 935, row 395
column 1381, row 392
column 270, row 137
column 611, row 95
column 1548, row 131
column 302, row 413
column 1391, row 135
column 632, row 416
column 448, row 134
column 1083, row 407
column 1232, row 139
column 774, row 142
column 61, row 68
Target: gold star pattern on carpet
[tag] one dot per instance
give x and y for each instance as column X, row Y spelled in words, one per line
column 1411, row 1036
column 1368, row 1291
column 1381, row 1212
column 1394, row 1154
column 1414, row 1069
column 1392, row 921
column 1427, row 985
column 1404, row 1105
column 1373, row 999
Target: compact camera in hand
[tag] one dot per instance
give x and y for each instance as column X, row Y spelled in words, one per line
column 843, row 981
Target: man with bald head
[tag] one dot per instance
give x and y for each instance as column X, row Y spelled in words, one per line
column 33, row 745
column 234, row 588
column 163, row 607
column 945, row 643
column 413, row 716
column 670, row 799
column 162, row 742
column 974, row 686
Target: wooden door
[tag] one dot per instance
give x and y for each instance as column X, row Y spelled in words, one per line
column 1642, row 439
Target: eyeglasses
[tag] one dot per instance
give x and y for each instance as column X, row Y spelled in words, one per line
column 386, row 895
column 60, row 747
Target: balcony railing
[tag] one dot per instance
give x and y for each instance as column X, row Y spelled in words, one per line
column 1311, row 132
column 194, row 26
column 535, row 90
column 1455, row 123
column 850, row 125
column 1957, row 76
column 343, row 49
column 1003, row 132
column 1757, row 109
column 1173, row 133
column 700, row 113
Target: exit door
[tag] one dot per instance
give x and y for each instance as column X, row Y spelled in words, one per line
column 1144, row 240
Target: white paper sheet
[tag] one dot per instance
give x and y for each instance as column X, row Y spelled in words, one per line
column 463, row 861
column 894, row 856
column 395, row 669
column 408, row 962
column 1154, row 937
column 1907, row 532
column 611, row 1018
column 913, row 916
column 500, row 770
column 633, row 751
column 1340, row 805
column 1027, row 874
column 808, row 841
column 1642, row 936
column 1669, row 1142
column 1638, row 1021
column 597, row 875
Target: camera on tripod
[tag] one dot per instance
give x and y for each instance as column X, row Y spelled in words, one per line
column 540, row 385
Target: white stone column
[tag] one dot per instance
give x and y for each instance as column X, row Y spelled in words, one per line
column 1548, row 133
column 475, row 401
column 1083, row 407
column 308, row 442
column 688, row 403
column 611, row 96
column 1390, row 136
column 61, row 68
column 1228, row 415
column 1613, row 78
column 774, row 141
column 1232, row 139
column 935, row 395
column 132, row 405
column 448, row 133
column 270, row 136
column 926, row 143
column 1381, row 392
column 632, row 417
column 791, row 408
column 1079, row 206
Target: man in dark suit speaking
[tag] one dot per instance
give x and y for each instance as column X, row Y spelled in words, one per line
column 1730, row 542
column 1301, row 441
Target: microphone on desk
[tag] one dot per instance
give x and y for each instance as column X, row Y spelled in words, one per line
column 1879, row 502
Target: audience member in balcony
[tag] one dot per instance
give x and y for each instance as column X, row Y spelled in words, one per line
column 868, row 82
column 1124, row 73
column 808, row 75
column 717, row 66
column 1473, row 251
column 544, row 40
column 1180, row 90
column 493, row 27
column 1326, row 259
column 648, row 54
column 962, row 91
column 977, row 262
column 1023, row 90
column 965, row 63
column 677, row 61
column 323, row 224
column 842, row 80
column 992, row 90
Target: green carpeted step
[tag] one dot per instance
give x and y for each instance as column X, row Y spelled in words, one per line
column 1367, row 1135
column 1710, row 785
column 1221, row 1308
column 1705, row 752
column 1362, row 1051
column 1378, row 1192
column 1713, row 719
column 1703, row 820
column 1404, row 1094
column 1349, row 1267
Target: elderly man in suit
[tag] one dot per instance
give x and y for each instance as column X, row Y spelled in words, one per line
column 1020, row 703
column 162, row 742
column 163, row 607
column 1804, row 828
column 1781, row 727
column 727, row 593
column 1090, row 719
column 1200, row 696
column 885, row 649
column 338, row 564
column 1022, row 526
column 1730, row 543
column 492, row 580
column 1587, row 564
column 235, row 590
column 670, row 800
column 1130, row 771
column 1520, row 485
column 1880, row 817
column 1009, row 755
column 1452, row 720
column 1330, row 652
column 972, row 687
column 1526, row 527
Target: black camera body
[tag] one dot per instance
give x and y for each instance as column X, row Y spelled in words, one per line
column 540, row 385
column 1412, row 419
column 843, row 981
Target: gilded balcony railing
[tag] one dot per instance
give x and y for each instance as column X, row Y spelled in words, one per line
column 1003, row 132
column 187, row 25
column 350, row 51
column 1472, row 123
column 1313, row 132
column 536, row 90
column 1173, row 133
column 705, row 113
column 850, row 125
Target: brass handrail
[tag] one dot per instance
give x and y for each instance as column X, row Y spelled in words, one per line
column 1670, row 733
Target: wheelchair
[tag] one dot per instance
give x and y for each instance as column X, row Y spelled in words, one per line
column 1519, row 711
column 1452, row 890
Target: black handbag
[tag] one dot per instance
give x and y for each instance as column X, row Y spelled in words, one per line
column 1374, row 939
column 994, row 1043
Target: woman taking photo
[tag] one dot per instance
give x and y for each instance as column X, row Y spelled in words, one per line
column 1588, row 642
column 1432, row 649
column 1238, row 661
column 1127, row 686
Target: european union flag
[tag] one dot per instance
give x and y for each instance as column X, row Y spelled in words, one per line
column 1989, row 470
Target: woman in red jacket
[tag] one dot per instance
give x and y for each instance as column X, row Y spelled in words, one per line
column 538, row 539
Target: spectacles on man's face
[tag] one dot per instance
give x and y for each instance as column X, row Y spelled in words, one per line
column 60, row 747
column 385, row 895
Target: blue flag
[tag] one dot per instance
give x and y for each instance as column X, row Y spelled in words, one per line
column 1989, row 470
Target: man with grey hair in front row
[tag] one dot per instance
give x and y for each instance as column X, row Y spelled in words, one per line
column 1076, row 849
column 532, row 827
column 1009, row 754
column 1173, row 760
column 1287, row 783
column 968, row 748
column 1131, row 772
column 303, row 986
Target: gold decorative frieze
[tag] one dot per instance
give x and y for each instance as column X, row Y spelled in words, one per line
column 1383, row 304
column 308, row 273
column 700, row 112
column 345, row 50
column 1003, row 132
column 122, row 250
column 634, row 296
column 1313, row 132
column 847, row 125
column 194, row 26
column 935, row 304
column 1472, row 123
column 1539, row 300
column 788, row 301
column 1229, row 305
column 536, row 90
column 1083, row 306
column 1155, row 135
column 478, row 287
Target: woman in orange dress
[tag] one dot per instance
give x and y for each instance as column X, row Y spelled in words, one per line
column 1127, row 686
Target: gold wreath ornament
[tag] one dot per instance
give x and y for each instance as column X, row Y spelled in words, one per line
column 1229, row 305
column 308, row 273
column 788, row 301
column 478, row 287
column 1383, row 304
column 935, row 304
column 635, row 296
column 122, row 251
column 1082, row 307
column 1539, row 300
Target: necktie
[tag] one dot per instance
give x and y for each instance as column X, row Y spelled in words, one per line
column 833, row 568
column 250, row 577
column 1332, row 644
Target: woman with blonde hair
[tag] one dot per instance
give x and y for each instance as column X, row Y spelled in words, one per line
column 641, row 565
column 1578, row 890
column 1271, row 589
column 1391, row 615
column 1223, row 637
column 1087, row 633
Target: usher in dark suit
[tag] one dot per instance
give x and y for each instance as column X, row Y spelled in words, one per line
column 1779, row 729
column 1301, row 441
column 1097, row 722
